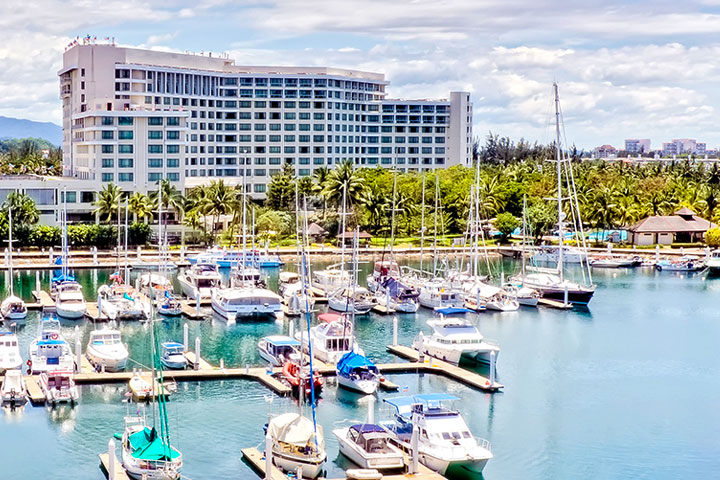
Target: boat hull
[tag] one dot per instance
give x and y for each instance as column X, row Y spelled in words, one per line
column 369, row 461
column 311, row 467
column 581, row 297
column 70, row 314
column 111, row 364
column 366, row 387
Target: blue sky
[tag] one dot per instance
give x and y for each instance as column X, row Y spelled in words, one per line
column 633, row 69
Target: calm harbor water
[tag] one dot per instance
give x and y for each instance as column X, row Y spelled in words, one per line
column 626, row 389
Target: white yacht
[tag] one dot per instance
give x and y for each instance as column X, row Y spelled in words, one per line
column 395, row 294
column 13, row 389
column 10, row 358
column 296, row 301
column 13, row 308
column 250, row 302
column 278, row 349
column 351, row 299
column 356, row 372
column 445, row 443
column 331, row 339
column 172, row 355
column 58, row 386
column 69, row 301
column 525, row 295
column 145, row 453
column 369, row 446
column 331, row 279
column 106, row 350
column 50, row 351
column 455, row 340
column 199, row 280
column 297, row 442
column 492, row 297
column 382, row 270
column 713, row 262
column 435, row 294
column 247, row 276
column 154, row 285
column 288, row 280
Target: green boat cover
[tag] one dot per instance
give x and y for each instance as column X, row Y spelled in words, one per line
column 147, row 445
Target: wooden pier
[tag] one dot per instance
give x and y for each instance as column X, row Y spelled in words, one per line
column 34, row 393
column 44, row 300
column 256, row 460
column 548, row 302
column 433, row 365
column 382, row 309
column 120, row 473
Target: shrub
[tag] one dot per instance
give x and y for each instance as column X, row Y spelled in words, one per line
column 505, row 223
column 102, row 236
column 45, row 236
column 712, row 237
column 139, row 233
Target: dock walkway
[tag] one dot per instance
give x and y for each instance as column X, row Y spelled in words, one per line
column 120, row 473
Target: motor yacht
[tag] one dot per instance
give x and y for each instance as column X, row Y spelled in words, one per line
column 279, row 349
column 297, row 442
column 356, row 372
column 49, row 351
column 612, row 261
column 331, row 339
column 369, row 446
column 199, row 280
column 172, row 355
column 331, row 279
column 393, row 293
column 10, row 358
column 246, row 303
column 145, row 453
column 106, row 351
column 435, row 294
column 445, row 443
column 247, row 276
column 455, row 341
column 551, row 254
column 119, row 301
column 69, row 301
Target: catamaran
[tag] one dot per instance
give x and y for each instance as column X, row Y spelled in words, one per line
column 455, row 341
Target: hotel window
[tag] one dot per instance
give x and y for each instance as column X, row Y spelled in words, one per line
column 154, row 176
column 125, row 177
column 155, row 162
column 155, row 134
column 259, row 172
column 304, row 172
column 125, row 162
column 173, row 176
column 107, row 120
column 107, row 135
column 259, row 188
column 274, row 161
column 173, row 121
column 173, row 149
column 125, row 121
column 108, row 163
column 155, row 148
column 125, row 148
column 173, row 135
column 107, row 149
column 107, row 177
column 173, row 162
column 70, row 197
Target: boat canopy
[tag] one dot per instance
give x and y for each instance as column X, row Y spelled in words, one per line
column 282, row 341
column 295, row 429
column 147, row 445
column 403, row 405
column 63, row 278
column 329, row 317
column 352, row 361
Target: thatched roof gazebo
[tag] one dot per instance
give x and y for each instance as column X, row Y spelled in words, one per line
column 348, row 237
column 316, row 232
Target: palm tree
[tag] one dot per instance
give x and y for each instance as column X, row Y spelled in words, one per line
column 216, row 200
column 345, row 177
column 141, row 205
column 24, row 210
column 108, row 200
column 377, row 205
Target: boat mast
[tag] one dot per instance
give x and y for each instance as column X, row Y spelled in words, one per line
column 65, row 240
column 422, row 224
column 244, row 228
column 524, row 232
column 342, row 248
column 392, row 215
column 127, row 271
column 10, row 247
column 437, row 200
column 558, row 159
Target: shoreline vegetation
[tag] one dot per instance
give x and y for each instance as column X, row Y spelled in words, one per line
column 611, row 196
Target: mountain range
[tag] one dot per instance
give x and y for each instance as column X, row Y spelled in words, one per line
column 21, row 128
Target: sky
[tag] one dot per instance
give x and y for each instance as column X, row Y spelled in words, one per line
column 625, row 69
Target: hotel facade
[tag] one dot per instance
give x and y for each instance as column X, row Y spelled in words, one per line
column 133, row 116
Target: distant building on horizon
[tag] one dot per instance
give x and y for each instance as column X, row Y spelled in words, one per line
column 604, row 151
column 635, row 145
column 678, row 146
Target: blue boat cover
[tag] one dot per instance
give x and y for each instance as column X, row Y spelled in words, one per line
column 63, row 278
column 352, row 361
column 367, row 428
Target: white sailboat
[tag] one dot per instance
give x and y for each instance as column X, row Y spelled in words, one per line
column 69, row 299
column 13, row 307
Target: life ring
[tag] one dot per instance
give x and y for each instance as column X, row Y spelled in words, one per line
column 29, row 363
column 54, row 336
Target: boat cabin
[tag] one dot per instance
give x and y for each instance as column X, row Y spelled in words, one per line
column 105, row 337
column 370, row 438
column 280, row 346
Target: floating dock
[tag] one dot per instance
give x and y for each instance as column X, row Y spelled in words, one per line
column 120, row 473
column 256, row 460
column 548, row 302
column 44, row 300
column 34, row 393
column 382, row 309
column 433, row 365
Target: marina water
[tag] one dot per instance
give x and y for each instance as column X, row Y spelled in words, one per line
column 626, row 389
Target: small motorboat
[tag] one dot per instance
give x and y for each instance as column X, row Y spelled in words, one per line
column 686, row 263
column 713, row 262
column 69, row 301
column 172, row 355
column 13, row 308
column 351, row 299
column 170, row 306
column 355, row 372
column 140, row 387
column 297, row 442
column 58, row 387
column 525, row 295
column 369, row 446
column 612, row 261
column 10, row 358
column 299, row 378
column 279, row 349
column 106, row 351
column 13, row 389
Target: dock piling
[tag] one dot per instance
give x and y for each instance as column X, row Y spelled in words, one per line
column 111, row 459
column 268, row 456
column 222, row 364
column 197, row 302
column 50, row 258
column 371, row 409
column 95, row 258
column 99, row 302
column 78, row 354
column 492, row 368
column 395, row 330
column 197, row 353
column 291, row 328
column 37, row 280
column 185, row 336
column 414, row 467
column 565, row 295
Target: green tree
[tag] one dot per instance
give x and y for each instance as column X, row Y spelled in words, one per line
column 24, row 211
column 141, row 206
column 506, row 223
column 108, row 200
column 712, row 237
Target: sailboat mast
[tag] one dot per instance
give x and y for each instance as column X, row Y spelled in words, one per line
column 65, row 240
column 11, row 248
column 558, row 159
column 422, row 224
column 244, row 227
column 437, row 200
column 524, row 232
column 342, row 248
column 127, row 270
column 392, row 217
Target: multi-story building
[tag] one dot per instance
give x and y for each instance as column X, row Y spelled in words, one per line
column 635, row 145
column 133, row 116
column 679, row 146
column 604, row 151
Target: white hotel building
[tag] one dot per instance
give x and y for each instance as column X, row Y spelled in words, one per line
column 133, row 116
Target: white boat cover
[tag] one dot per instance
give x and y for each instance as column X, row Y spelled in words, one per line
column 295, row 429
